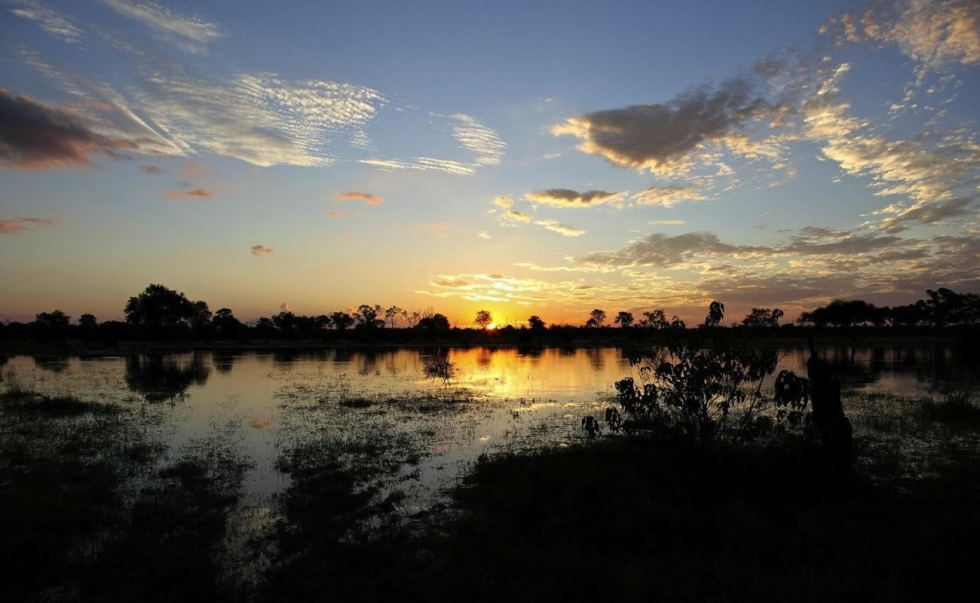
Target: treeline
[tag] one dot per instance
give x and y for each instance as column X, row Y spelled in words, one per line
column 162, row 314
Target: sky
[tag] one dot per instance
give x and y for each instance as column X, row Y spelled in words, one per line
column 526, row 158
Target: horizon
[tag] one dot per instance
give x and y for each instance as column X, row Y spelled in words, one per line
column 519, row 159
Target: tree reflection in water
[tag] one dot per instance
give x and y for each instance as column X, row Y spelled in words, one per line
column 159, row 378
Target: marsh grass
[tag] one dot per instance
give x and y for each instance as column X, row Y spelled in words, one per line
column 93, row 511
column 955, row 408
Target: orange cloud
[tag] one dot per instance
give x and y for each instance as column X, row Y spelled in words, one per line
column 19, row 225
column 197, row 192
column 360, row 196
column 335, row 213
column 191, row 170
column 258, row 423
column 260, row 250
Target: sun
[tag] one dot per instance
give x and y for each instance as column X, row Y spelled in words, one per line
column 491, row 326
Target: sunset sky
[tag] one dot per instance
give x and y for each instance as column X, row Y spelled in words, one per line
column 523, row 157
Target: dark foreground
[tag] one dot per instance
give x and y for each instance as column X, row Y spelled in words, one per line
column 95, row 510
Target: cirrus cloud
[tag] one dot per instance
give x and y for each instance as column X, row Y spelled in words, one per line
column 260, row 250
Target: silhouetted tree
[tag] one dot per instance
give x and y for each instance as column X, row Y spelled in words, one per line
column 762, row 317
column 677, row 323
column 412, row 318
column 656, row 320
column 341, row 320
column 51, row 325
column 392, row 314
column 483, row 319
column 158, row 309
column 88, row 321
column 285, row 322
column 535, row 323
column 225, row 324
column 596, row 318
column 624, row 319
column 367, row 317
column 716, row 313
column 436, row 322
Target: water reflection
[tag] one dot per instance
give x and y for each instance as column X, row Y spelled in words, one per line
column 159, row 378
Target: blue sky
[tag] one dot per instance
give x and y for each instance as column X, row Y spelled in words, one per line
column 524, row 157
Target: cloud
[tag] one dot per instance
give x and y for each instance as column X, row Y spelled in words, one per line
column 562, row 229
column 150, row 169
column 667, row 196
column 192, row 34
column 19, row 225
column 563, row 197
column 197, row 192
column 423, row 164
column 191, row 170
column 36, row 136
column 503, row 202
column 931, row 32
column 261, row 119
column 335, row 213
column 658, row 137
column 658, row 250
column 483, row 234
column 517, row 216
column 260, row 250
column 667, row 222
column 367, row 198
column 478, row 138
column 55, row 24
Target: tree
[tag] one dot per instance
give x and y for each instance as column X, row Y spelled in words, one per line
column 762, row 318
column 225, row 323
column 656, row 320
column 535, row 323
column 367, row 317
column 158, row 307
column 341, row 320
column 436, row 322
column 716, row 313
column 412, row 318
column 56, row 320
column 483, row 319
column 624, row 319
column 88, row 322
column 392, row 314
column 596, row 318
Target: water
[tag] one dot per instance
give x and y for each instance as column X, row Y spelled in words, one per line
column 498, row 400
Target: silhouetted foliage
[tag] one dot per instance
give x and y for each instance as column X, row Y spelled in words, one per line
column 535, row 323
column 483, row 319
column 341, row 320
column 762, row 318
column 367, row 317
column 624, row 319
column 436, row 322
column 655, row 320
column 716, row 313
column 596, row 318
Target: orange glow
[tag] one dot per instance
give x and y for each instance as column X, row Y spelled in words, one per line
column 491, row 326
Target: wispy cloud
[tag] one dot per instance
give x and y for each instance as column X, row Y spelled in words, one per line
column 19, row 225
column 478, row 138
column 56, row 24
column 423, row 164
column 483, row 234
column 667, row 222
column 667, row 196
column 260, row 250
column 150, row 170
column 201, row 193
column 261, row 119
column 190, row 33
column 562, row 229
column 563, row 197
column 366, row 198
column 36, row 136
column 503, row 202
column 517, row 216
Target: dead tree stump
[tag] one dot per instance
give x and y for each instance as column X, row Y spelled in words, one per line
column 829, row 421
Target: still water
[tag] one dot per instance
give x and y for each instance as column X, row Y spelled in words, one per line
column 498, row 399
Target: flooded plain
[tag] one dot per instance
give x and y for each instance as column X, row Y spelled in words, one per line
column 377, row 405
